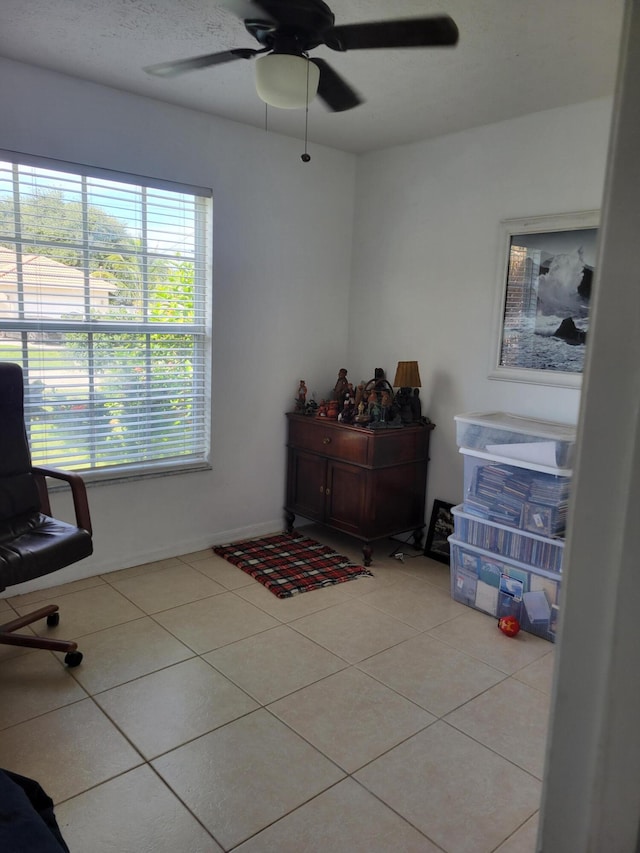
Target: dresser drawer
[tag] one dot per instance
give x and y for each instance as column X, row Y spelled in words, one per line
column 316, row 435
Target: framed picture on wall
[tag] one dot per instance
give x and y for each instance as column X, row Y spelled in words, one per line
column 440, row 528
column 546, row 271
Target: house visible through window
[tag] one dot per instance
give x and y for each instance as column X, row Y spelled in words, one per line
column 104, row 295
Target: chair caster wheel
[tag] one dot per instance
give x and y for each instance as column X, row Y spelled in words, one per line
column 53, row 619
column 73, row 659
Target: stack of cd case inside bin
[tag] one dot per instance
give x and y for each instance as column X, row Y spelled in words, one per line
column 507, row 548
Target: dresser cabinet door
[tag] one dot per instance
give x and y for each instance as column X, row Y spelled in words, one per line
column 345, row 496
column 306, row 484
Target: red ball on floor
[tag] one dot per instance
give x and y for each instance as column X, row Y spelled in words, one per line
column 509, row 625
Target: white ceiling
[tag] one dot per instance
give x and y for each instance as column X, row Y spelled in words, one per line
column 514, row 57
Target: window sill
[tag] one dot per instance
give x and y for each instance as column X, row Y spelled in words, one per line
column 111, row 476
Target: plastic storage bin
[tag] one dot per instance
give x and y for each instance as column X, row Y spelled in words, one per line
column 539, row 552
column 523, row 439
column 501, row 587
column 534, row 498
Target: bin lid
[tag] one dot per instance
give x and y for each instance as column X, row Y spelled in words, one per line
column 519, row 423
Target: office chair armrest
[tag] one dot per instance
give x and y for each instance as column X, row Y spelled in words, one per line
column 78, row 493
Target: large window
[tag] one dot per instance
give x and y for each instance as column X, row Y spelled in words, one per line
column 104, row 294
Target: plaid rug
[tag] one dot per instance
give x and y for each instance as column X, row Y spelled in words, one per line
column 288, row 563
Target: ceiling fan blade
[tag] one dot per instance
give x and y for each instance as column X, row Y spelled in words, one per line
column 334, row 91
column 435, row 31
column 180, row 66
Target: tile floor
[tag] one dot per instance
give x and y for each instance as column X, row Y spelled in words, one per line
column 373, row 716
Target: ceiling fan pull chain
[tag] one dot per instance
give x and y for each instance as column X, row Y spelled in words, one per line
column 306, row 157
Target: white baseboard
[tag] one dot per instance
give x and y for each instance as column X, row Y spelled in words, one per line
column 102, row 564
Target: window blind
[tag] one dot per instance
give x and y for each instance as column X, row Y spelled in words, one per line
column 104, row 295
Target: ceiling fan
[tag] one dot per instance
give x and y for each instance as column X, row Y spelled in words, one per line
column 288, row 29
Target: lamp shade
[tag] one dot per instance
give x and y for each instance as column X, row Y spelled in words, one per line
column 407, row 375
column 286, row 81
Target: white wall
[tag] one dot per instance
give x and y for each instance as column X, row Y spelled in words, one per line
column 422, row 280
column 282, row 260
column 426, row 260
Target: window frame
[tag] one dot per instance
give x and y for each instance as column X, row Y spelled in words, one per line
column 200, row 328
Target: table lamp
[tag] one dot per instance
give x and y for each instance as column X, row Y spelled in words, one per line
column 407, row 379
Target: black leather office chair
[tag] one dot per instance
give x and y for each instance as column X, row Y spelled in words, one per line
column 32, row 543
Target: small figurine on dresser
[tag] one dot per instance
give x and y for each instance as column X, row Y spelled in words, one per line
column 379, row 381
column 301, row 399
column 362, row 417
column 348, row 413
column 416, row 406
column 333, row 410
column 322, row 410
column 373, row 407
column 342, row 386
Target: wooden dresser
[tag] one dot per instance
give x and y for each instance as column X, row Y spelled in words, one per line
column 368, row 483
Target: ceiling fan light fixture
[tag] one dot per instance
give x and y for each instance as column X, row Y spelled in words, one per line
column 286, row 81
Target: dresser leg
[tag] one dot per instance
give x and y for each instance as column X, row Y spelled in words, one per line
column 367, row 552
column 418, row 533
column 289, row 518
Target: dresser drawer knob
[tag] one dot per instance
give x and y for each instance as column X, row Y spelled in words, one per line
column 326, row 440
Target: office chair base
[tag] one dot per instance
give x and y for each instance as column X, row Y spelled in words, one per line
column 8, row 637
